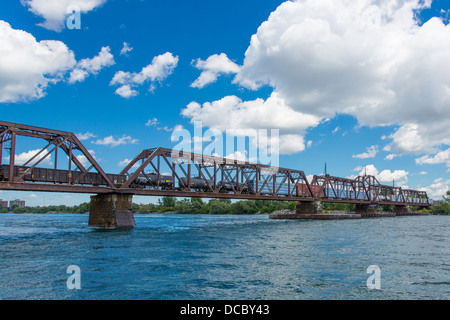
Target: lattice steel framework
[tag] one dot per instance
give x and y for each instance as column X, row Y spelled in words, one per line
column 223, row 178
column 365, row 189
column 168, row 172
column 55, row 141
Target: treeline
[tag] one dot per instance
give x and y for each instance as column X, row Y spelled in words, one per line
column 213, row 206
column 170, row 204
column 217, row 206
column 225, row 206
column 327, row 206
column 442, row 207
column 82, row 208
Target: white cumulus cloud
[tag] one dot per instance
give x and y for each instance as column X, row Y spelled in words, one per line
column 387, row 177
column 55, row 12
column 438, row 158
column 125, row 49
column 93, row 65
column 161, row 67
column 22, row 158
column 243, row 117
column 127, row 161
column 152, row 122
column 113, row 142
column 85, row 136
column 126, row 92
column 27, row 66
column 437, row 189
column 370, row 59
column 84, row 160
column 212, row 67
column 371, row 153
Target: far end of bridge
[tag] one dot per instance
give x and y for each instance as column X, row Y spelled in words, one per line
column 314, row 211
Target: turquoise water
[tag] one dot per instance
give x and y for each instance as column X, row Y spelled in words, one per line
column 204, row 257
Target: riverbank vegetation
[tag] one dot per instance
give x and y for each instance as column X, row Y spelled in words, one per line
column 82, row 208
column 442, row 207
column 172, row 205
column 215, row 206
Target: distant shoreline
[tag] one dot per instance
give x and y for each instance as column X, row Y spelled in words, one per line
column 173, row 212
column 137, row 213
column 170, row 205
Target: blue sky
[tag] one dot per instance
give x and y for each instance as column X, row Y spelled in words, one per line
column 339, row 102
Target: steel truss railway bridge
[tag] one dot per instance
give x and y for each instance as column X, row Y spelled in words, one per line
column 166, row 172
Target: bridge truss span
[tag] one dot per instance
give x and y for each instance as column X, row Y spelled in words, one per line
column 59, row 162
column 181, row 173
column 365, row 189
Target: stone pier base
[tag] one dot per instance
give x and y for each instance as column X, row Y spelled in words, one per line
column 111, row 211
column 312, row 211
column 309, row 207
column 402, row 210
column 366, row 209
column 317, row 216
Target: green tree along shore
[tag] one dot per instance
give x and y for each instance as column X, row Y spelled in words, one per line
column 170, row 204
column 214, row 206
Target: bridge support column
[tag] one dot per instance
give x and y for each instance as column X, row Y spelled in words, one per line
column 314, row 207
column 111, row 211
column 401, row 209
column 366, row 209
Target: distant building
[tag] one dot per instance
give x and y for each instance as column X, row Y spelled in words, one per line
column 3, row 204
column 17, row 203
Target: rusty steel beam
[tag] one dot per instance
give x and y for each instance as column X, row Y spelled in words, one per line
column 12, row 155
column 141, row 169
column 30, row 129
column 68, row 150
column 91, row 159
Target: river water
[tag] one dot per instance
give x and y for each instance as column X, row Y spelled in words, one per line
column 241, row 257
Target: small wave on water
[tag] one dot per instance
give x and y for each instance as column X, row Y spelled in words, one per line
column 224, row 257
column 35, row 225
column 180, row 222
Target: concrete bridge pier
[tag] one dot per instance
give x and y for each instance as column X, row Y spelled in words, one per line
column 401, row 210
column 364, row 209
column 111, row 211
column 313, row 207
column 312, row 211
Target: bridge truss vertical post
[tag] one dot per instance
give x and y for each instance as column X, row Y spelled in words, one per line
column 1, row 150
column 12, row 156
